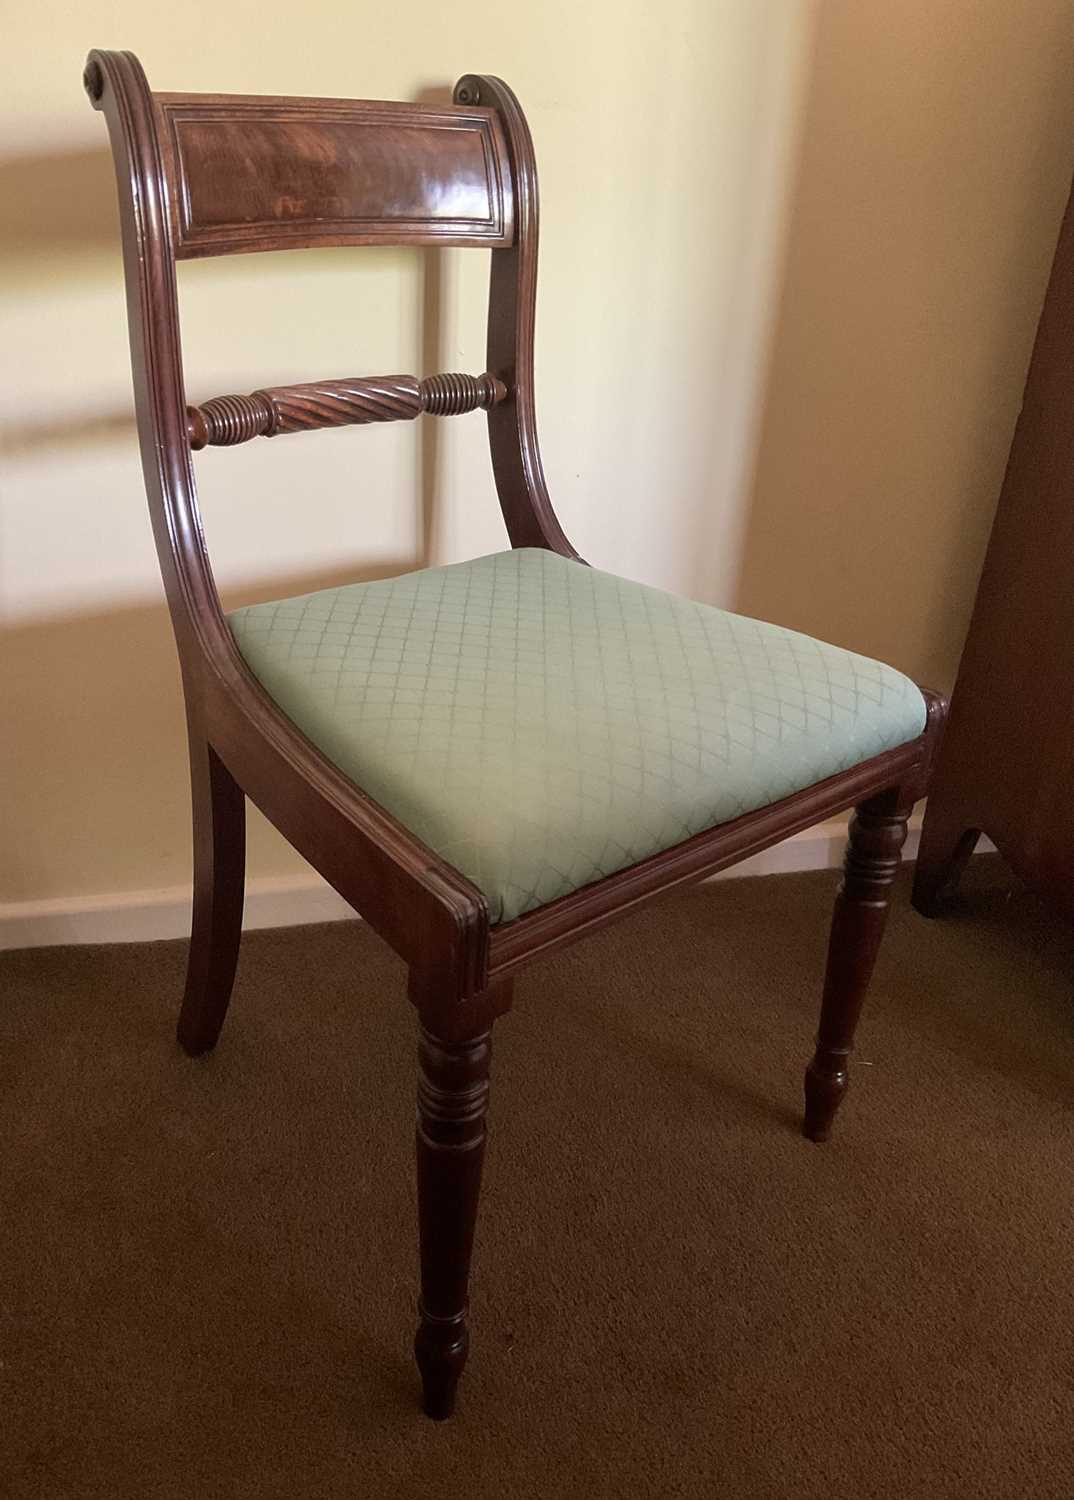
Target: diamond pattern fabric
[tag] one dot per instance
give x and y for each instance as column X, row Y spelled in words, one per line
column 541, row 724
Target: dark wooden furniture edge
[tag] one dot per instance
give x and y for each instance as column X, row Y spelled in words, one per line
column 1007, row 765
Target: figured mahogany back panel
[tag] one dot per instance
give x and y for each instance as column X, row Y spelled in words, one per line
column 252, row 173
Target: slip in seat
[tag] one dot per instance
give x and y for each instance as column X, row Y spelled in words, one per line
column 541, row 724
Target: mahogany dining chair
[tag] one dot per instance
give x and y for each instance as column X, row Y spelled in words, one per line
column 491, row 759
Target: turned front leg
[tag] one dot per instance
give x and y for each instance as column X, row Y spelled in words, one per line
column 453, row 1091
column 877, row 834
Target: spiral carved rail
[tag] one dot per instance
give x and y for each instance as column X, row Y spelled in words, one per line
column 226, row 420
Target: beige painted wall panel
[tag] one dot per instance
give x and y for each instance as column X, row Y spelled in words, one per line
column 935, row 163
column 922, row 153
column 657, row 260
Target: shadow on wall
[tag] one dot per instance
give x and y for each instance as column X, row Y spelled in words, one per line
column 918, row 248
column 63, row 205
column 55, row 208
column 95, row 747
column 59, row 203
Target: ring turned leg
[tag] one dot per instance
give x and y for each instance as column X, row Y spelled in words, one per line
column 219, row 808
column 877, row 834
column 453, row 1092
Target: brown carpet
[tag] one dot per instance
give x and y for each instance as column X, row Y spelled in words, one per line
column 208, row 1268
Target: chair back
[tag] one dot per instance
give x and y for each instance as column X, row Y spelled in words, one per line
column 221, row 174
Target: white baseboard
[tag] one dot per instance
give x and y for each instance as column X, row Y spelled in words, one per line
column 293, row 900
column 149, row 916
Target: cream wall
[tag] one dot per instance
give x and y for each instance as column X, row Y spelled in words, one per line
column 668, row 141
column 935, row 163
column 664, row 137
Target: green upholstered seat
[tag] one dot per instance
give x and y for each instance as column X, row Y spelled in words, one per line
column 540, row 724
